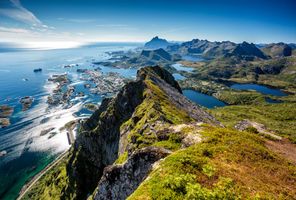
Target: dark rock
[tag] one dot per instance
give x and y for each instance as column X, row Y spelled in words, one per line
column 81, row 70
column 119, row 181
column 26, row 102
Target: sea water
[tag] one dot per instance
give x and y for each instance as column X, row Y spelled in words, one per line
column 27, row 151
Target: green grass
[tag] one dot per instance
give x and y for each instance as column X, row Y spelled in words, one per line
column 280, row 117
column 173, row 143
column 122, row 158
column 240, row 97
column 156, row 110
column 227, row 165
column 53, row 185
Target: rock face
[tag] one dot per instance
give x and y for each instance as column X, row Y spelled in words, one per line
column 277, row 50
column 119, row 181
column 156, row 43
column 98, row 141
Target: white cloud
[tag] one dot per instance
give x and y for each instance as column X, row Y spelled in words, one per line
column 21, row 14
column 13, row 30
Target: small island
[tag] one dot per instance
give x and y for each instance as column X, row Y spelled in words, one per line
column 5, row 113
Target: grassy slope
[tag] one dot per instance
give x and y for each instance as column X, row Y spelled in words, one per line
column 53, row 185
column 227, row 165
column 232, row 164
column 280, row 117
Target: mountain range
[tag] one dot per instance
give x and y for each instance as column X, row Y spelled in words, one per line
column 210, row 50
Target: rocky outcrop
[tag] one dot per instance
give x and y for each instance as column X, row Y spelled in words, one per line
column 255, row 127
column 119, row 181
column 158, row 73
column 5, row 113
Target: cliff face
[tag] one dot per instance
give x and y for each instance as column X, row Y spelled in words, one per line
column 119, row 181
column 98, row 140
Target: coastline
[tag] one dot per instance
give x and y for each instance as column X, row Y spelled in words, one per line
column 31, row 183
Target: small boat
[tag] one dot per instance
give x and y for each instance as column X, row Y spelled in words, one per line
column 38, row 70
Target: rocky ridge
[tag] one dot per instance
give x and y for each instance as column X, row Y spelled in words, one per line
column 102, row 136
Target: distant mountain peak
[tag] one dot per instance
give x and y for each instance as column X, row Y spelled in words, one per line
column 156, row 43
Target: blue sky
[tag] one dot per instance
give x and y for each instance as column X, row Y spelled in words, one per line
column 75, row 21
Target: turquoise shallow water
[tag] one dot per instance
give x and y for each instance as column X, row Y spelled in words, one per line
column 27, row 151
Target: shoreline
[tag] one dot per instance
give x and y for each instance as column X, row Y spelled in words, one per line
column 35, row 178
